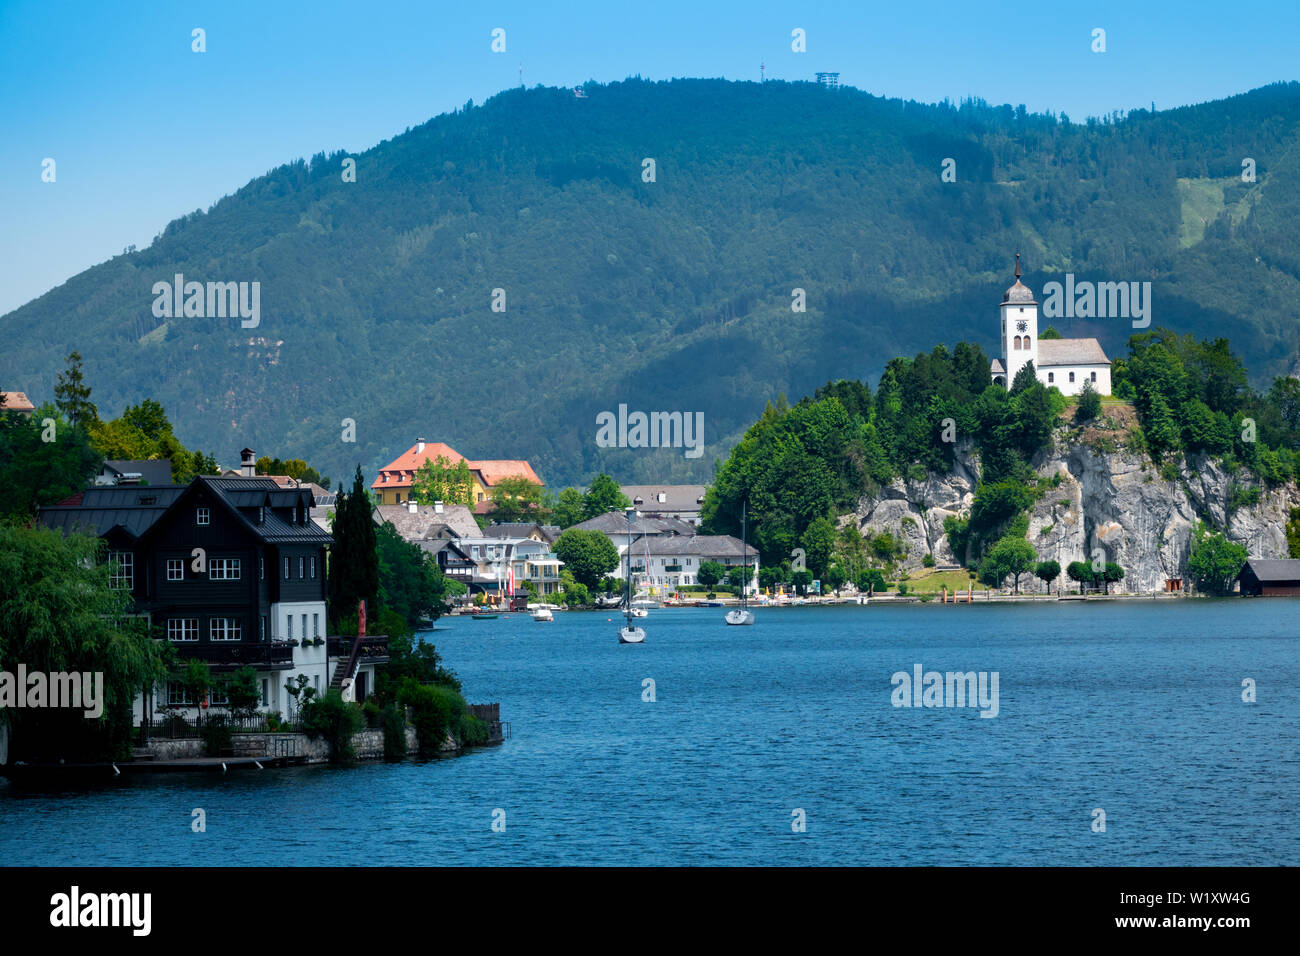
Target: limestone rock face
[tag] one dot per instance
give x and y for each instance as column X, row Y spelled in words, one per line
column 1112, row 505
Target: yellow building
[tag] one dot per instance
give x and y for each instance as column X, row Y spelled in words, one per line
column 395, row 480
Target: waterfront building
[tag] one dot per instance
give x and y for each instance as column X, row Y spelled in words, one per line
column 682, row 502
column 394, row 482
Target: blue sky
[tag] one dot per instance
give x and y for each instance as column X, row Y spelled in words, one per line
column 143, row 130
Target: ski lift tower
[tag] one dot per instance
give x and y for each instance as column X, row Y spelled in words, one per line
column 829, row 80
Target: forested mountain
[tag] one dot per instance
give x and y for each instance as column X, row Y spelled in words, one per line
column 670, row 295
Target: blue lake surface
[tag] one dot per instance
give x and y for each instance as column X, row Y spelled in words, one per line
column 1131, row 707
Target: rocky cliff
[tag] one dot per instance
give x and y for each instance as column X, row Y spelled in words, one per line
column 1109, row 497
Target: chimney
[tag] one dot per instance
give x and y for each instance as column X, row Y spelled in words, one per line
column 361, row 619
column 437, row 507
column 247, row 464
column 419, row 446
column 412, row 506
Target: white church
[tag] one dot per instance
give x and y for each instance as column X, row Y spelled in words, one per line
column 1065, row 363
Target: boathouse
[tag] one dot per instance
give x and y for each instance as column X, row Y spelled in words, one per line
column 1265, row 577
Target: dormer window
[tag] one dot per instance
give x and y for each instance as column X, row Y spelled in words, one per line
column 201, row 516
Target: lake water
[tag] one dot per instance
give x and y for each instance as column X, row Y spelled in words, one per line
column 1134, row 708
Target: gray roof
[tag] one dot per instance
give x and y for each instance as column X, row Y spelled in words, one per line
column 137, row 508
column 615, row 523
column 997, row 367
column 1018, row 294
column 1275, row 569
column 1070, row 352
column 155, row 472
column 513, row 529
column 707, row 546
column 677, row 497
column 427, row 523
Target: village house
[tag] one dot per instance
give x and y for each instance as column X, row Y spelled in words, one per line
column 119, row 472
column 682, row 502
column 395, row 480
column 232, row 572
column 667, row 552
column 16, row 402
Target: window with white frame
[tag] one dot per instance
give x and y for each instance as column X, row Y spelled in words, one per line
column 266, row 692
column 175, row 569
column 121, row 572
column 224, row 629
column 261, row 568
column 302, row 565
column 223, row 569
column 178, row 695
column 201, row 516
column 218, row 695
column 315, row 625
column 183, row 629
column 313, row 567
column 286, row 568
column 289, row 620
column 304, row 627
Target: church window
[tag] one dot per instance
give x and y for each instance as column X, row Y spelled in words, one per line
column 1017, row 345
column 1094, row 376
column 1071, row 376
column 1051, row 377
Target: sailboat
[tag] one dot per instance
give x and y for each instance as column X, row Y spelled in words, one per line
column 629, row 633
column 742, row 614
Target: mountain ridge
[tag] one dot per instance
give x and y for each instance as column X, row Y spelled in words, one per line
column 673, row 295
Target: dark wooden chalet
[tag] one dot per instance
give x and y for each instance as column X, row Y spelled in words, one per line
column 1270, row 577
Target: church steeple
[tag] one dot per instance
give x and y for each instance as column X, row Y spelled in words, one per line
column 1017, row 267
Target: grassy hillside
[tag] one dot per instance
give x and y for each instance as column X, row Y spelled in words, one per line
column 671, row 295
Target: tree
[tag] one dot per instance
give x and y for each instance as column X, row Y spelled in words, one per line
column 835, row 577
column 710, row 573
column 1081, row 573
column 566, row 509
column 587, row 555
column 1024, row 378
column 1111, row 574
column 603, row 496
column 243, row 692
column 1049, row 333
column 59, row 613
column 1048, row 571
column 34, row 471
column 802, row 581
column 354, row 558
column 72, row 394
column 871, row 580
column 1214, row 561
column 1089, row 404
column 437, row 479
column 1010, row 556
column 516, row 498
column 819, row 542
column 410, row 582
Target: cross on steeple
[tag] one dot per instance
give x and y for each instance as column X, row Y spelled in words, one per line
column 1017, row 265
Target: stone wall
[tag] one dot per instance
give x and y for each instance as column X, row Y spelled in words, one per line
column 369, row 745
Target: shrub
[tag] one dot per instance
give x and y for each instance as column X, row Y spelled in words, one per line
column 394, row 724
column 336, row 720
column 474, row 731
column 928, row 560
column 435, row 711
column 218, row 735
column 902, row 587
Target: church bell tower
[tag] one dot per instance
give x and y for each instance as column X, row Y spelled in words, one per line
column 1019, row 328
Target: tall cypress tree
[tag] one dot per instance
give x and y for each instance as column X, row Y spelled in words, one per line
column 354, row 559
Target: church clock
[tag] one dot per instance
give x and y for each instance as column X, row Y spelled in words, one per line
column 1022, row 326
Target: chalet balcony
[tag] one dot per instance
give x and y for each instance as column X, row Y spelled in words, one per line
column 374, row 648
column 275, row 655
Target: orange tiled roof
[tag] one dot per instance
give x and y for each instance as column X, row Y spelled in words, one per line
column 493, row 470
column 17, row 402
column 400, row 472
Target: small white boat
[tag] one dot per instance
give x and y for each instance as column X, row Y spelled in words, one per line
column 630, row 633
column 543, row 614
column 742, row 614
